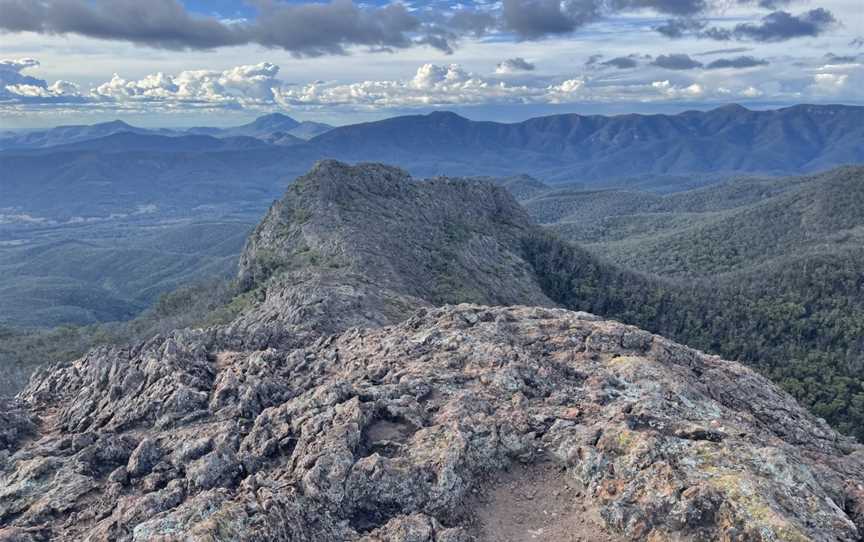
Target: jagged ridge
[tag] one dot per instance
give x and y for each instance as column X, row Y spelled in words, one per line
column 289, row 424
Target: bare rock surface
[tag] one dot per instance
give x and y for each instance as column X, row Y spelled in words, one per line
column 351, row 402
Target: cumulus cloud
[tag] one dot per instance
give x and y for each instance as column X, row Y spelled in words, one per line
column 737, row 63
column 259, row 87
column 670, row 90
column 16, row 85
column 513, row 65
column 431, row 85
column 241, row 86
column 676, row 62
column 10, row 73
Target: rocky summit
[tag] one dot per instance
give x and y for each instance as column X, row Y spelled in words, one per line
column 398, row 373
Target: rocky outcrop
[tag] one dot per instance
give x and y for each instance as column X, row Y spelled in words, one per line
column 320, row 416
column 367, row 245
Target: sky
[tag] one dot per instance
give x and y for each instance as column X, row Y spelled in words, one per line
column 223, row 62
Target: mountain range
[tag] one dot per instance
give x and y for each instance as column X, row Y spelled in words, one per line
column 274, row 128
column 242, row 168
column 351, row 398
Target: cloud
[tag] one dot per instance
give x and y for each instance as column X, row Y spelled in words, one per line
column 303, row 29
column 317, row 29
column 240, row 86
column 777, row 26
column 533, row 19
column 158, row 23
column 769, row 4
column 10, row 73
column 16, row 85
column 724, row 51
column 513, row 65
column 258, row 87
column 751, row 92
column 830, row 83
column 831, row 58
column 678, row 28
column 621, row 62
column 737, row 63
column 476, row 23
column 432, row 84
column 668, row 7
column 334, row 27
column 670, row 90
column 676, row 62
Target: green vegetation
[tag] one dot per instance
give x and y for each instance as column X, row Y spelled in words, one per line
column 203, row 304
column 768, row 272
column 83, row 275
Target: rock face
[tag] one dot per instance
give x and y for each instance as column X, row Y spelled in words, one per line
column 321, row 415
column 366, row 246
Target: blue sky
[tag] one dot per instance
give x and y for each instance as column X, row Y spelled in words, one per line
column 171, row 63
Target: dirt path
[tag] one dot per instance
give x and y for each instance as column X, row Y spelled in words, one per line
column 536, row 502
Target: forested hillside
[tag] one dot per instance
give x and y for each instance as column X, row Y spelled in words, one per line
column 769, row 271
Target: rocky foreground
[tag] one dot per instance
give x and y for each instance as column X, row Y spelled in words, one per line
column 350, row 402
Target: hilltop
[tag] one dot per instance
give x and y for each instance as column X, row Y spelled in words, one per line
column 351, row 399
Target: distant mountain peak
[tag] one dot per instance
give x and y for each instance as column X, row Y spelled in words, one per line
column 116, row 122
column 738, row 108
column 445, row 115
column 279, row 120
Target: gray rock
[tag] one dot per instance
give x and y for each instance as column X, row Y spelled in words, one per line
column 144, row 458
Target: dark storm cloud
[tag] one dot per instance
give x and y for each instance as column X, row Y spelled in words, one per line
column 778, row 26
column 159, row 23
column 533, row 19
column 312, row 29
column 621, row 62
column 676, row 62
column 737, row 63
column 316, row 29
column 303, row 29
